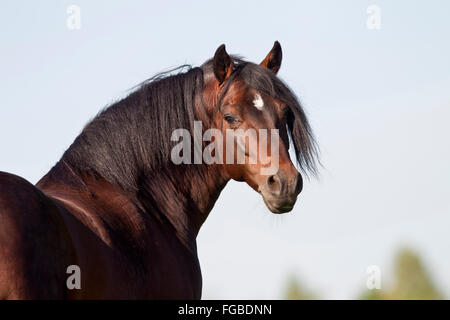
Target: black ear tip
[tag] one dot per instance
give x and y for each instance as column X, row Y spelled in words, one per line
column 277, row 45
column 222, row 64
column 220, row 49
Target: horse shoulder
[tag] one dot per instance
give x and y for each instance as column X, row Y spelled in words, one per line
column 35, row 247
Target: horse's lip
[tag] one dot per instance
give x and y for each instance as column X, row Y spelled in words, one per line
column 285, row 206
column 288, row 207
column 278, row 209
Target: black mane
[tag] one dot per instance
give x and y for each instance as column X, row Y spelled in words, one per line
column 132, row 136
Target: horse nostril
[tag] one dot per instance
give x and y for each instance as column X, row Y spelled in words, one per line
column 274, row 184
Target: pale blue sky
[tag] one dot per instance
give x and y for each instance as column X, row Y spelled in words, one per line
column 379, row 102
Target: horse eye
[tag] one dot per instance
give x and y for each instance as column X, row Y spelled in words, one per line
column 230, row 119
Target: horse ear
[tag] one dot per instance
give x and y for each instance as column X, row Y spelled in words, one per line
column 223, row 65
column 273, row 60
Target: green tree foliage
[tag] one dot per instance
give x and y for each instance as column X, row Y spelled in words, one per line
column 296, row 291
column 411, row 280
column 374, row 294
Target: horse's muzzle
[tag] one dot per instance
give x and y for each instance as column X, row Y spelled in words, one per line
column 280, row 191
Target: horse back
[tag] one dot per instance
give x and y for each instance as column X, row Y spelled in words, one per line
column 35, row 248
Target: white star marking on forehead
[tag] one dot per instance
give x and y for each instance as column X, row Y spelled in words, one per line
column 258, row 102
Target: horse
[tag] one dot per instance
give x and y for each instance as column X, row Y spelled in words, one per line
column 118, row 212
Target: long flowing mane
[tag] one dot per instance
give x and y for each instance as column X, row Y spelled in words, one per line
column 131, row 137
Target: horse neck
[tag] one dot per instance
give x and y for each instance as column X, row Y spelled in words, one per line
column 180, row 196
column 183, row 196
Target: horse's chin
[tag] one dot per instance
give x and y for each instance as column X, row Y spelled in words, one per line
column 278, row 207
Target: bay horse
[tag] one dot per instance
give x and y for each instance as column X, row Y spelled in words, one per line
column 120, row 210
